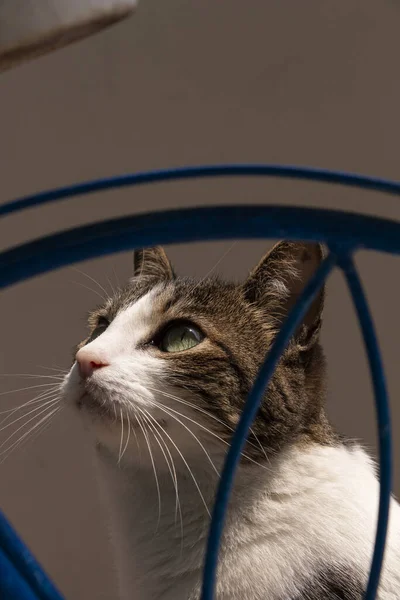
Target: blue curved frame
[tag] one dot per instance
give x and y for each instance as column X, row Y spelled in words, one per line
column 344, row 233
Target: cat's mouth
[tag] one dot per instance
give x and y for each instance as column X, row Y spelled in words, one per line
column 107, row 410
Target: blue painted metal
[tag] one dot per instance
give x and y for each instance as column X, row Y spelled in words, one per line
column 30, row 574
column 346, row 231
column 239, row 170
column 12, row 583
column 195, row 224
column 248, row 415
column 383, row 416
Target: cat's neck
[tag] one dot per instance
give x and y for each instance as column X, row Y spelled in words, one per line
column 155, row 520
column 160, row 547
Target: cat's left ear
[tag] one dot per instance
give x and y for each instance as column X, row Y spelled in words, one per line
column 278, row 280
column 152, row 262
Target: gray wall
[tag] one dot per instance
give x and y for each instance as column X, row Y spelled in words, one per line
column 306, row 82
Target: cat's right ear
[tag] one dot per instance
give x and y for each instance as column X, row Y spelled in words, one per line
column 278, row 280
column 152, row 262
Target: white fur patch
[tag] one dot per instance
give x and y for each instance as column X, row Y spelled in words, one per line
column 130, row 327
column 315, row 508
column 132, row 374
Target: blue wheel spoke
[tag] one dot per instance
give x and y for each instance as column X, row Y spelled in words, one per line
column 248, row 415
column 383, row 417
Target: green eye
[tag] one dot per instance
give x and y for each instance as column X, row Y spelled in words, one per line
column 180, row 337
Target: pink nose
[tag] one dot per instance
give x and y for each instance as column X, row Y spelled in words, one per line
column 89, row 361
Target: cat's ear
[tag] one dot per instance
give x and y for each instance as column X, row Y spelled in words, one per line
column 152, row 262
column 280, row 277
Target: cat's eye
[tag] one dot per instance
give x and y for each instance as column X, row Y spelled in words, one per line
column 102, row 325
column 179, row 337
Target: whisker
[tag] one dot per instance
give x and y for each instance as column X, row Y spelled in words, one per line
column 199, row 409
column 60, row 370
column 115, row 276
column 91, row 279
column 37, row 400
column 28, row 413
column 189, row 470
column 53, row 387
column 127, row 438
column 215, row 266
column 24, row 439
column 111, row 286
column 31, row 375
column 171, row 466
column 142, row 427
column 26, row 423
column 164, row 409
column 137, row 443
column 35, row 432
column 150, row 420
column 258, row 442
column 90, row 289
column 122, row 435
column 6, row 453
column 45, row 425
column 209, row 431
column 191, row 405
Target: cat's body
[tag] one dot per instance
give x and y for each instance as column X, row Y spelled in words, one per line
column 161, row 383
column 305, row 534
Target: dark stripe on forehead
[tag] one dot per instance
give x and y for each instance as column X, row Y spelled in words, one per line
column 169, row 303
column 285, row 394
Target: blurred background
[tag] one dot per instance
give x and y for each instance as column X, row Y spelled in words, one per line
column 311, row 83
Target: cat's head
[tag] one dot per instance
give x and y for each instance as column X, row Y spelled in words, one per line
column 172, row 360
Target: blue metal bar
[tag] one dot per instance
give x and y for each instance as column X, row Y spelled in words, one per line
column 30, row 572
column 383, row 417
column 12, row 585
column 194, row 224
column 229, row 170
column 248, row 415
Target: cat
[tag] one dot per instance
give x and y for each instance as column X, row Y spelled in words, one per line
column 160, row 383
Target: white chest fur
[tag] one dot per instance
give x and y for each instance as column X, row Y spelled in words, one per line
column 312, row 509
